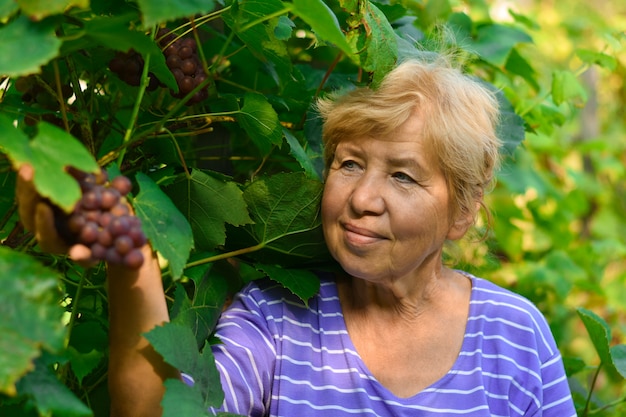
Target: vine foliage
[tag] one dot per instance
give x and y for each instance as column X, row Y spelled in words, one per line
column 227, row 170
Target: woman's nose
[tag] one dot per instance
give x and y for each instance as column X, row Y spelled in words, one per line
column 367, row 196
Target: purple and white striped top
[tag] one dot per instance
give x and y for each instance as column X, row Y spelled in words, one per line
column 282, row 358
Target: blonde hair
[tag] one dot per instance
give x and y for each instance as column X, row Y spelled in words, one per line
column 460, row 116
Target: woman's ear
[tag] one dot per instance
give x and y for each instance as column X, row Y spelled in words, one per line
column 461, row 225
column 464, row 220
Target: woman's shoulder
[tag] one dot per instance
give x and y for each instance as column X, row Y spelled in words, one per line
column 499, row 310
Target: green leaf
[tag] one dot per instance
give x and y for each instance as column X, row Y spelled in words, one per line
column 28, row 44
column 510, row 128
column 600, row 334
column 566, row 87
column 250, row 22
column 287, row 227
column 38, row 9
column 182, row 400
column 303, row 283
column 177, row 345
column 83, row 363
column 591, row 57
column 31, row 316
column 50, row 395
column 8, row 8
column 49, row 153
column 164, row 225
column 208, row 203
column 376, row 42
column 300, row 155
column 322, row 21
column 155, row 12
column 494, row 42
column 201, row 312
column 618, row 355
column 259, row 119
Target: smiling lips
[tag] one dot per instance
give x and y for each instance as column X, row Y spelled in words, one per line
column 359, row 236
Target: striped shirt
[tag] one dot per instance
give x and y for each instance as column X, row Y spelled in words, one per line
column 282, row 358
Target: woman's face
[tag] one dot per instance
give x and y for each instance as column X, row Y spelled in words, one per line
column 385, row 209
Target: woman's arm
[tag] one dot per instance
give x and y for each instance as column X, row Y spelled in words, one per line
column 136, row 305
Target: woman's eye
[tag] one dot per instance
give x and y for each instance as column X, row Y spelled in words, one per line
column 402, row 177
column 349, row 165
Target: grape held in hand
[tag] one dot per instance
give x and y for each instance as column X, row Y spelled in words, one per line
column 101, row 220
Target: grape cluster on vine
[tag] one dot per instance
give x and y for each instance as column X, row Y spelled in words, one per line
column 181, row 57
column 102, row 220
column 129, row 67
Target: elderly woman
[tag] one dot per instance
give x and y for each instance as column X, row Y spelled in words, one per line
column 397, row 333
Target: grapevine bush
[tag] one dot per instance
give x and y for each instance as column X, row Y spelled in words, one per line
column 192, row 125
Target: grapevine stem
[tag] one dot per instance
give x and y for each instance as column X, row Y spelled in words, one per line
column 227, row 255
column 59, row 94
column 607, row 406
column 591, row 387
column 135, row 113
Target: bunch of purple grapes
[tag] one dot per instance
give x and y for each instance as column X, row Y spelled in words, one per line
column 129, row 67
column 181, row 57
column 102, row 220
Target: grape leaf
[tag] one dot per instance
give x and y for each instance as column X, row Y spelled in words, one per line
column 164, row 225
column 50, row 395
column 28, row 44
column 303, row 283
column 323, row 22
column 155, row 12
column 49, row 153
column 494, row 42
column 566, row 87
column 376, row 42
column 37, row 9
column 31, row 316
column 208, row 203
column 287, row 227
column 83, row 363
column 510, row 128
column 182, row 400
column 258, row 118
column 7, row 8
column 300, row 154
column 260, row 37
column 177, row 345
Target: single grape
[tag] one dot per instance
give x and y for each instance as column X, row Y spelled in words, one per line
column 186, row 85
column 122, row 184
column 105, row 219
column 120, row 210
column 109, row 198
column 76, row 222
column 119, row 226
column 105, row 238
column 98, row 251
column 113, row 257
column 137, row 235
column 133, row 259
column 185, row 52
column 89, row 233
column 173, row 61
column 123, row 244
column 188, row 66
